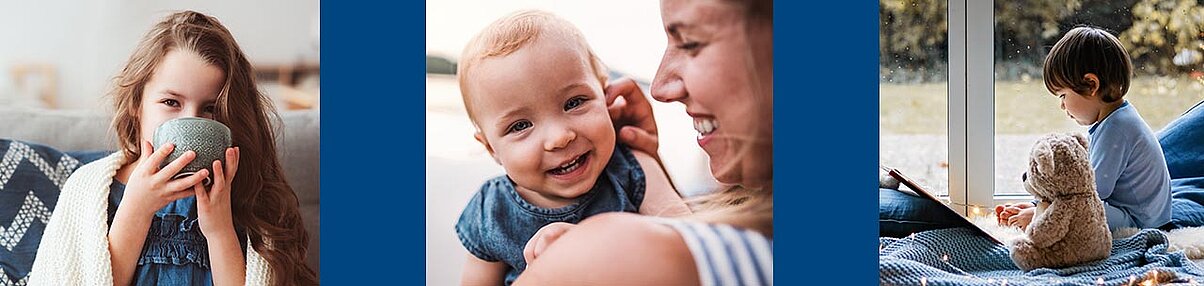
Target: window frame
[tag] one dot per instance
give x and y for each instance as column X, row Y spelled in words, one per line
column 972, row 108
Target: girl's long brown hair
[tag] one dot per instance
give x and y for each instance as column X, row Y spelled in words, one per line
column 263, row 203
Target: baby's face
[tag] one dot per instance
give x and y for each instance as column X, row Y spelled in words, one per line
column 542, row 115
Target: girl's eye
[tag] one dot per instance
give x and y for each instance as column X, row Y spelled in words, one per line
column 518, row 126
column 171, row 102
column 211, row 109
column 573, row 103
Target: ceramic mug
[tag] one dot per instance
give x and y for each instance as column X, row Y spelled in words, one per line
column 208, row 138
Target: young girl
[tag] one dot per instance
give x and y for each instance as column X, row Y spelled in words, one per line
column 122, row 220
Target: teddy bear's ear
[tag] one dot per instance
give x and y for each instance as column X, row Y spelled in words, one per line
column 1044, row 157
column 1082, row 139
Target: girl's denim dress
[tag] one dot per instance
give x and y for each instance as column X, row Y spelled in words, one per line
column 175, row 251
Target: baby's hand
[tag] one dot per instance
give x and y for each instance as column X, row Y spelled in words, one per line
column 544, row 237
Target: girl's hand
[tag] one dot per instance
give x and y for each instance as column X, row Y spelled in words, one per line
column 150, row 188
column 213, row 205
column 632, row 115
column 543, row 238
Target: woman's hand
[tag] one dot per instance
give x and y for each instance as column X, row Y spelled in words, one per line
column 544, row 237
column 213, row 205
column 632, row 115
column 150, row 188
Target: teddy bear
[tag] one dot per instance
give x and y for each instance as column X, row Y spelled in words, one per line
column 1069, row 226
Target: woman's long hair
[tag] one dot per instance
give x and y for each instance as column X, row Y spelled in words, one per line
column 264, row 205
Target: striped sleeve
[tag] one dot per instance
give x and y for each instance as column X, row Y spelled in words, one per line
column 725, row 255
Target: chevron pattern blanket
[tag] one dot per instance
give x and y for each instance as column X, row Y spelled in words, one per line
column 958, row 256
column 30, row 178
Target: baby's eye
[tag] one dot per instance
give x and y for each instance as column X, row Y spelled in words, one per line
column 574, row 103
column 171, row 102
column 518, row 126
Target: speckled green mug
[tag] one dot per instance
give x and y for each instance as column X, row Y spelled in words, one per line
column 208, row 138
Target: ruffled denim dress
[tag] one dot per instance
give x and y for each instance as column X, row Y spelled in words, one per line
column 175, row 251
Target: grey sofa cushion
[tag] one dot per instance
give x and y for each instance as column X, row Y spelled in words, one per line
column 73, row 130
column 298, row 147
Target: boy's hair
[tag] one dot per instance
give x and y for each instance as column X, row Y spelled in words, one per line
column 513, row 32
column 1086, row 50
column 263, row 203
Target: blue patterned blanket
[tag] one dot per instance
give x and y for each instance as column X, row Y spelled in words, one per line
column 957, row 256
column 30, row 178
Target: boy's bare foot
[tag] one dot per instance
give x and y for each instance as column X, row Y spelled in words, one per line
column 999, row 215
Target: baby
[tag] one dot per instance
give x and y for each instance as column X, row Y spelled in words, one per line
column 533, row 90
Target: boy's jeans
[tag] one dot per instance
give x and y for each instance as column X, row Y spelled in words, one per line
column 901, row 214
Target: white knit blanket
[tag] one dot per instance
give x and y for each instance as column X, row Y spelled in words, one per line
column 75, row 246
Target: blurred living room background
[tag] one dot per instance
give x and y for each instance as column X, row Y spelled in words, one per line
column 64, row 54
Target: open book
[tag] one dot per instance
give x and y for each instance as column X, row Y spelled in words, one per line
column 919, row 191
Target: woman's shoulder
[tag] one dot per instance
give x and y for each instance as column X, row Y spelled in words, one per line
column 619, row 249
column 631, row 224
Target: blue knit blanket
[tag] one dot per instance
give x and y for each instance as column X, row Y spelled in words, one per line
column 958, row 256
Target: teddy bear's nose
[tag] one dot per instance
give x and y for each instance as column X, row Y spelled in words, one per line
column 1024, row 177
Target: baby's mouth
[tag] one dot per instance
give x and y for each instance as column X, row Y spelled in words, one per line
column 571, row 165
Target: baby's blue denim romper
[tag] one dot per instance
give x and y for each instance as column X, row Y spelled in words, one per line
column 497, row 222
column 175, row 251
